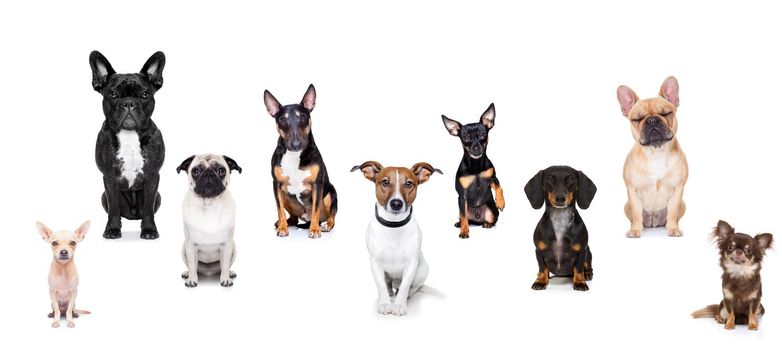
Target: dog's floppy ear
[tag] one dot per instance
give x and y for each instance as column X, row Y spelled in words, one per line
column 670, row 90
column 423, row 171
column 534, row 190
column 232, row 164
column 627, row 99
column 185, row 164
column 153, row 69
column 308, row 101
column 487, row 118
column 452, row 126
column 722, row 232
column 370, row 169
column 272, row 105
column 764, row 241
column 82, row 230
column 46, row 233
column 586, row 191
column 101, row 70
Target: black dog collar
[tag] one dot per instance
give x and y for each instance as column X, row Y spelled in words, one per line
column 393, row 224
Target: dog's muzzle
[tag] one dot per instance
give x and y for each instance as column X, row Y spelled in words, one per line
column 655, row 133
column 475, row 150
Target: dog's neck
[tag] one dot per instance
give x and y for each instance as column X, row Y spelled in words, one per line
column 60, row 268
column 393, row 220
column 474, row 166
column 208, row 203
column 664, row 149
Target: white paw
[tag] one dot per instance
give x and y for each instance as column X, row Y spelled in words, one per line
column 191, row 283
column 384, row 307
column 56, row 324
column 71, row 324
column 399, row 308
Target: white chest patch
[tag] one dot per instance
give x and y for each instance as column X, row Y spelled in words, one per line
column 740, row 270
column 129, row 154
column 657, row 167
column 290, row 168
column 561, row 220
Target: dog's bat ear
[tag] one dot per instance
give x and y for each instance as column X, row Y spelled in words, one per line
column 82, row 230
column 586, row 191
column 534, row 190
column 452, row 126
column 627, row 99
column 487, row 118
column 232, row 164
column 670, row 90
column 722, row 232
column 101, row 70
column 308, row 101
column 46, row 233
column 153, row 69
column 185, row 164
column 423, row 171
column 272, row 105
column 764, row 241
column 370, row 169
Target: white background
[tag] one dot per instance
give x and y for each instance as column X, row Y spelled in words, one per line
column 384, row 73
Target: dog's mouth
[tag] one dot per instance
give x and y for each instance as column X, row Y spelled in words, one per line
column 655, row 136
column 559, row 205
column 209, row 191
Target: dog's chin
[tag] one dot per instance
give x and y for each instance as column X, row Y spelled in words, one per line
column 655, row 138
column 560, row 206
column 64, row 260
column 209, row 192
column 475, row 156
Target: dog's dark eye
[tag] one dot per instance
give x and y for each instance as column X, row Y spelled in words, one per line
column 730, row 248
column 145, row 94
column 385, row 183
column 196, row 172
column 73, row 243
column 221, row 172
column 54, row 244
column 409, row 184
column 747, row 252
column 113, row 94
column 571, row 180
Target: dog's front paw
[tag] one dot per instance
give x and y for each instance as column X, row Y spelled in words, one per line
column 231, row 274
column 399, row 308
column 500, row 201
column 753, row 325
column 730, row 325
column 191, row 283
column 324, row 227
column 488, row 225
column 315, row 233
column 539, row 285
column 149, row 233
column 673, row 231
column 580, row 286
column 112, row 233
column 634, row 233
column 282, row 232
column 227, row 283
column 719, row 319
column 71, row 324
column 384, row 307
column 185, row 275
column 56, row 324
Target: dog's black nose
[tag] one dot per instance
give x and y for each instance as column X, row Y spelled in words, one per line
column 396, row 204
column 64, row 252
column 128, row 104
column 560, row 199
column 653, row 121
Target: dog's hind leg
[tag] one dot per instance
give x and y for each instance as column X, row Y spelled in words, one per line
column 420, row 276
column 490, row 214
column 588, row 272
column 329, row 208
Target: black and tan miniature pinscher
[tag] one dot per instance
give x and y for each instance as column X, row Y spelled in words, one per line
column 561, row 239
column 476, row 176
column 301, row 183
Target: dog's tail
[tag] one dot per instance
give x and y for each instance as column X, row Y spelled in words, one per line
column 710, row 311
column 431, row 291
column 82, row 312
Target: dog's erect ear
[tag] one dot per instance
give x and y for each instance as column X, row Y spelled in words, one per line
column 627, row 99
column 185, row 164
column 764, row 241
column 272, row 105
column 670, row 90
column 423, row 171
column 153, row 69
column 452, row 126
column 82, row 230
column 232, row 164
column 101, row 70
column 308, row 101
column 487, row 118
column 534, row 190
column 586, row 191
column 370, row 169
column 722, row 232
column 46, row 233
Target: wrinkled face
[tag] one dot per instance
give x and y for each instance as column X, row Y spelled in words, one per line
column 293, row 125
column 63, row 245
column 395, row 189
column 560, row 186
column 209, row 175
column 128, row 102
column 653, row 122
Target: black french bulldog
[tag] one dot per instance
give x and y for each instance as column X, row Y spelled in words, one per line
column 130, row 149
column 476, row 176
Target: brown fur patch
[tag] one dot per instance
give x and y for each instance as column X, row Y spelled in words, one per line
column 466, row 181
column 576, row 247
column 487, row 173
column 543, row 276
column 499, row 196
column 464, row 224
column 578, row 277
column 541, row 245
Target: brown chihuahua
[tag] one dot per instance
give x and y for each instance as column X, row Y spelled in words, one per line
column 740, row 257
column 63, row 278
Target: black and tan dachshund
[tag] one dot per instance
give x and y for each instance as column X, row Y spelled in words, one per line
column 561, row 239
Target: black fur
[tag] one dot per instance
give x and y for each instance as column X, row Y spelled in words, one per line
column 128, row 103
column 558, row 183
